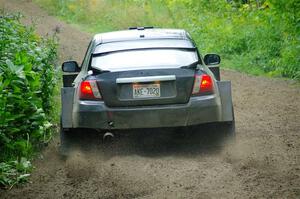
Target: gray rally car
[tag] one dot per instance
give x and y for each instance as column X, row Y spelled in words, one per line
column 143, row 78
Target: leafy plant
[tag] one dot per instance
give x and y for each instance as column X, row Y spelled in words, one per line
column 27, row 82
column 255, row 36
column 14, row 172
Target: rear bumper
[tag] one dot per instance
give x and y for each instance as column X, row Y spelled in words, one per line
column 95, row 114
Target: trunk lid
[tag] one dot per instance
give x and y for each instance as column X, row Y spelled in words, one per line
column 146, row 87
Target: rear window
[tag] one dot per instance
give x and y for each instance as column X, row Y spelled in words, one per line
column 144, row 59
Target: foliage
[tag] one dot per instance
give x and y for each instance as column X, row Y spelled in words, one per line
column 256, row 36
column 27, row 81
column 14, row 172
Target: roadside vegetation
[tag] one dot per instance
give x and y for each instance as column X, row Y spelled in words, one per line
column 27, row 84
column 254, row 36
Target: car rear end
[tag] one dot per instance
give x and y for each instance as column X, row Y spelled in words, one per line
column 142, row 79
column 146, row 87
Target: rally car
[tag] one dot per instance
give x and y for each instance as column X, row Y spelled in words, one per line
column 143, row 77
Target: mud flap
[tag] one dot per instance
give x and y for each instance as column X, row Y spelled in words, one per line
column 226, row 100
column 67, row 94
column 215, row 69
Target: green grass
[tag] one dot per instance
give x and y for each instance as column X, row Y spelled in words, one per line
column 255, row 38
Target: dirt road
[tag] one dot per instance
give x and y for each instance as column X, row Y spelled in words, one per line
column 264, row 162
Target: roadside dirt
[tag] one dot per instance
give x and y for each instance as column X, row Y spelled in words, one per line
column 264, row 162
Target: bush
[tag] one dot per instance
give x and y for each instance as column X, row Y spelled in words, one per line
column 258, row 37
column 27, row 81
column 255, row 36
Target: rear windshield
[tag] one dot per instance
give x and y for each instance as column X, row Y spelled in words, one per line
column 144, row 59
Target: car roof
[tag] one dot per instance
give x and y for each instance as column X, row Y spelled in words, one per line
column 141, row 34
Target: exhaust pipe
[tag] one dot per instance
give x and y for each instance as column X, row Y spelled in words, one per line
column 108, row 137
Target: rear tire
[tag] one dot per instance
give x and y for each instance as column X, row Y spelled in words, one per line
column 228, row 130
column 222, row 133
column 77, row 139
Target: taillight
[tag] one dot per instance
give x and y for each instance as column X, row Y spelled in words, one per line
column 89, row 90
column 203, row 85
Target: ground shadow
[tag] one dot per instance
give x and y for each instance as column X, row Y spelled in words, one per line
column 186, row 142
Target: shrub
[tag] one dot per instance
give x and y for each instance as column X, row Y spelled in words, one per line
column 255, row 36
column 27, row 81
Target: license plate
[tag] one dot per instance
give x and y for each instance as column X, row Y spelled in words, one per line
column 146, row 90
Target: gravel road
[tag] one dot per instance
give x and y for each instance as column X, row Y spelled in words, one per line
column 263, row 163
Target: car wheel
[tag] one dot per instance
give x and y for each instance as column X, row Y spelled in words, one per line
column 228, row 130
column 221, row 133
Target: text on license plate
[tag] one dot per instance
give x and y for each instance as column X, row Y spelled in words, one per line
column 146, row 90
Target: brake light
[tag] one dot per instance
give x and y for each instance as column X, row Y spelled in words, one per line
column 89, row 90
column 203, row 85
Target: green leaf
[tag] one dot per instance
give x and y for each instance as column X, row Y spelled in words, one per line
column 11, row 66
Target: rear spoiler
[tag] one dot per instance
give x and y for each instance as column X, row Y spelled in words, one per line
column 145, row 44
column 140, row 28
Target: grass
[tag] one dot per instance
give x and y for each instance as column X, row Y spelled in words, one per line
column 260, row 39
